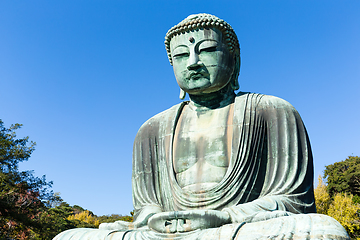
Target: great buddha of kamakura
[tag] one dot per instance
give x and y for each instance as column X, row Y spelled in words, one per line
column 222, row 165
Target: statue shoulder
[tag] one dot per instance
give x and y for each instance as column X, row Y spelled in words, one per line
column 262, row 101
column 275, row 102
column 161, row 119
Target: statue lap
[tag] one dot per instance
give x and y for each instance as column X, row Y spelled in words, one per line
column 299, row 226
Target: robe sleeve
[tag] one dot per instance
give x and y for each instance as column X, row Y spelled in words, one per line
column 288, row 180
column 144, row 171
column 151, row 152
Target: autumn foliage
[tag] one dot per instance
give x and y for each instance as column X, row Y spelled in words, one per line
column 85, row 217
column 339, row 198
column 23, row 196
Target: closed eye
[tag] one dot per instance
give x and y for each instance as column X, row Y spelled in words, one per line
column 209, row 49
column 179, row 55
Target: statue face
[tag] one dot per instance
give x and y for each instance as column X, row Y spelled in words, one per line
column 201, row 61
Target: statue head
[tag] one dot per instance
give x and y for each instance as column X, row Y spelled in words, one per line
column 205, row 54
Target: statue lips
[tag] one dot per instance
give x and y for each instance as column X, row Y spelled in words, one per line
column 194, row 75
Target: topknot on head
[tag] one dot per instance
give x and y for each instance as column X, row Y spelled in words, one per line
column 201, row 21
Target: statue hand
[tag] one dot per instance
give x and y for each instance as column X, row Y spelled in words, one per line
column 118, row 225
column 186, row 221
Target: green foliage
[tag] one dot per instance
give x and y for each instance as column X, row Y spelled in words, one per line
column 345, row 211
column 63, row 217
column 54, row 220
column 23, row 196
column 110, row 218
column 356, row 199
column 12, row 150
column 344, row 177
column 116, row 217
column 127, row 218
column 341, row 207
column 336, row 199
column 77, row 209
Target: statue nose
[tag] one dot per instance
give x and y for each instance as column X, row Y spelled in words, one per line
column 194, row 62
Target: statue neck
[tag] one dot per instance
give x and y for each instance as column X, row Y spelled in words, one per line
column 214, row 100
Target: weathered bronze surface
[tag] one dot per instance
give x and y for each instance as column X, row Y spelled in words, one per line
column 222, row 165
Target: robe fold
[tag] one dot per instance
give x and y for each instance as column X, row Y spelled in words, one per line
column 270, row 166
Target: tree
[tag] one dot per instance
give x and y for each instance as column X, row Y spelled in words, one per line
column 344, row 177
column 86, row 219
column 345, row 211
column 128, row 218
column 341, row 207
column 28, row 207
column 23, row 196
column 116, row 217
column 54, row 220
column 322, row 197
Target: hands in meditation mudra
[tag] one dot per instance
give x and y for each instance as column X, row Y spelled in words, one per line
column 222, row 165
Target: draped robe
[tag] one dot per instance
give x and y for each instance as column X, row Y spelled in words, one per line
column 270, row 165
column 270, row 169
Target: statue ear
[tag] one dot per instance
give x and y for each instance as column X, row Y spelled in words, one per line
column 234, row 82
column 182, row 94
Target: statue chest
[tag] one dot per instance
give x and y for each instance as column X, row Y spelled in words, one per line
column 201, row 148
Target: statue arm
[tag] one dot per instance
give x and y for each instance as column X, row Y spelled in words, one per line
column 145, row 190
column 146, row 212
column 287, row 187
column 258, row 210
column 150, row 194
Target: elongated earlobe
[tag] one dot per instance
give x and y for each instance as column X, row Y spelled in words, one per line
column 234, row 83
column 182, row 94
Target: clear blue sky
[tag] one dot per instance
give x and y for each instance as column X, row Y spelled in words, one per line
column 82, row 76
